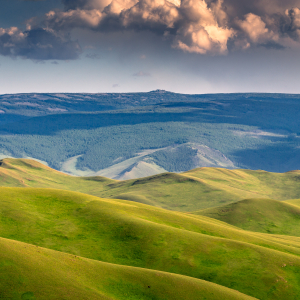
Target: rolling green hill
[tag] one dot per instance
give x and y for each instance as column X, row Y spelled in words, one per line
column 250, row 184
column 134, row 234
column 29, row 272
column 262, row 215
column 190, row 191
column 222, row 250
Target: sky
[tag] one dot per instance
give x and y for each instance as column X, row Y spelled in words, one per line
column 187, row 46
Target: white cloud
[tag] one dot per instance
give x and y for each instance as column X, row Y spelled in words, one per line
column 256, row 29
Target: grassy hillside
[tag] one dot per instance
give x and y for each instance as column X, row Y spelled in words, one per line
column 293, row 202
column 30, row 173
column 250, row 184
column 190, row 191
column 262, row 215
column 30, row 272
column 139, row 235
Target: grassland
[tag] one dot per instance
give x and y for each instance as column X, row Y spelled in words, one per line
column 62, row 236
column 138, row 235
column 190, row 191
column 30, row 272
column 261, row 215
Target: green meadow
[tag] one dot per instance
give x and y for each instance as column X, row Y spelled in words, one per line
column 189, row 191
column 260, row 215
column 30, row 272
column 203, row 234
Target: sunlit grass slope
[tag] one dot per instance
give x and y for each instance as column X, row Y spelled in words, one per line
column 293, row 202
column 30, row 173
column 190, row 191
column 251, row 184
column 30, row 272
column 170, row 191
column 262, row 215
column 134, row 234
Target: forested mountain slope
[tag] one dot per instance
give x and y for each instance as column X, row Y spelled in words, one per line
column 125, row 136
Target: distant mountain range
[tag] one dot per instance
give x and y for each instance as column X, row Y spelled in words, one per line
column 125, row 136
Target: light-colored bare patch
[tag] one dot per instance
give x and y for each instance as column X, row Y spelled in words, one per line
column 39, row 97
column 142, row 165
column 69, row 167
column 2, row 111
column 62, row 96
column 141, row 169
column 27, row 104
column 56, row 109
column 259, row 134
column 208, row 157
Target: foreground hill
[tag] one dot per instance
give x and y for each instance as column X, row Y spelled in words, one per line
column 190, row 191
column 30, row 272
column 134, row 234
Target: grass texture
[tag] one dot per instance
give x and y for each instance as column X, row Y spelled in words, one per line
column 138, row 235
column 60, row 240
column 30, row 272
column 262, row 215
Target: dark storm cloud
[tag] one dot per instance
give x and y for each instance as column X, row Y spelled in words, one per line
column 272, row 45
column 239, row 8
column 199, row 26
column 74, row 4
column 37, row 44
column 292, row 26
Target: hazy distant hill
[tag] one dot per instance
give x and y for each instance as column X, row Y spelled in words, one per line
column 133, row 135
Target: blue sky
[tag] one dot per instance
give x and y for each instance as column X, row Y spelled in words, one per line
column 192, row 46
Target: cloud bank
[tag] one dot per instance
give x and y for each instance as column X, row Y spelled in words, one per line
column 196, row 26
